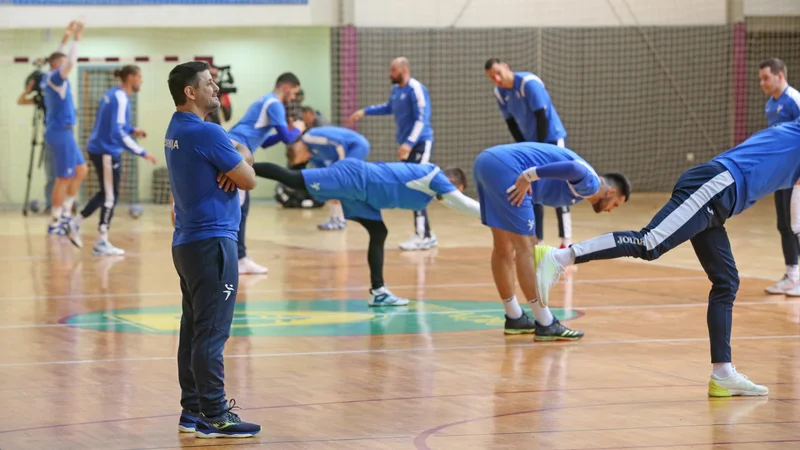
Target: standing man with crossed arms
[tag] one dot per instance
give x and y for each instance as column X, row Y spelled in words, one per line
column 410, row 104
column 531, row 117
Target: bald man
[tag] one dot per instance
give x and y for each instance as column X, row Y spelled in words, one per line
column 411, row 106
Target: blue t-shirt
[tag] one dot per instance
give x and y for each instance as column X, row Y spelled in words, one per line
column 529, row 95
column 549, row 191
column 58, row 101
column 767, row 161
column 411, row 107
column 196, row 151
column 785, row 109
column 380, row 185
column 112, row 129
column 261, row 117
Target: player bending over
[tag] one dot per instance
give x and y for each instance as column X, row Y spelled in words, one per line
column 702, row 200
column 323, row 146
column 366, row 188
column 510, row 179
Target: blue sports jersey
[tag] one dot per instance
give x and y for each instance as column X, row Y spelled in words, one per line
column 378, row 185
column 529, row 95
column 549, row 192
column 330, row 144
column 767, row 161
column 196, row 151
column 261, row 117
column 112, row 129
column 60, row 109
column 411, row 107
column 785, row 109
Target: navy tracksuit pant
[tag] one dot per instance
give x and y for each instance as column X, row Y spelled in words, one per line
column 209, row 274
column 701, row 202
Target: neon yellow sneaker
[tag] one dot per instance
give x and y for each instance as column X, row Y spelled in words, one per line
column 736, row 384
column 548, row 271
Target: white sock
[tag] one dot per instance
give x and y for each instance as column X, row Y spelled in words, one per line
column 542, row 315
column 722, row 370
column 565, row 257
column 55, row 213
column 513, row 310
column 336, row 211
column 68, row 202
column 793, row 272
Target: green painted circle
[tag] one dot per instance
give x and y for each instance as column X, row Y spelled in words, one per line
column 315, row 318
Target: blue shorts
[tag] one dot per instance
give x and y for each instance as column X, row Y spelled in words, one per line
column 66, row 154
column 343, row 180
column 359, row 152
column 492, row 178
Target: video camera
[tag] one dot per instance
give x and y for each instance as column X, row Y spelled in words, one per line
column 36, row 77
column 225, row 80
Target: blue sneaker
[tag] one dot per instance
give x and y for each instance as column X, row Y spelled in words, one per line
column 226, row 425
column 187, row 422
column 56, row 229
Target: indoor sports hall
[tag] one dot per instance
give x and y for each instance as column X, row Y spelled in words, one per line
column 647, row 88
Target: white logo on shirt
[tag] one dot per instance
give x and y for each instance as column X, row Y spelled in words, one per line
column 531, row 223
column 778, row 109
column 171, row 144
column 403, row 96
column 314, row 186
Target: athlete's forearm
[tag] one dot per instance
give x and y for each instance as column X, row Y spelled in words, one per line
column 565, row 170
column 461, row 203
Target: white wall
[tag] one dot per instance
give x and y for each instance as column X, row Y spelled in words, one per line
column 521, row 13
column 315, row 13
column 772, row 7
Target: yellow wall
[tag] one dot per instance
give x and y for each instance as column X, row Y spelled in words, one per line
column 257, row 57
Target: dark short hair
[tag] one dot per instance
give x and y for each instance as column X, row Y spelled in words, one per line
column 125, row 71
column 775, row 65
column 619, row 182
column 55, row 55
column 307, row 109
column 491, row 62
column 287, row 78
column 183, row 75
column 457, row 175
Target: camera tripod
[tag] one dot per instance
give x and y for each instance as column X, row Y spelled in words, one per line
column 38, row 127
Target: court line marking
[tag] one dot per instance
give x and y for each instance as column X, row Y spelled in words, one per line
column 334, row 289
column 421, row 440
column 409, row 313
column 397, row 350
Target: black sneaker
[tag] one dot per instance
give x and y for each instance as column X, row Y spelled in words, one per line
column 556, row 332
column 226, row 425
column 522, row 325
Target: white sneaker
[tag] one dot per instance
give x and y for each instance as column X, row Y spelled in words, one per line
column 417, row 242
column 248, row 267
column 384, row 297
column 736, row 384
column 104, row 248
column 782, row 287
column 794, row 292
column 73, row 232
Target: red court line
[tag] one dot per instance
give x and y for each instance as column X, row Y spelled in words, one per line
column 421, row 440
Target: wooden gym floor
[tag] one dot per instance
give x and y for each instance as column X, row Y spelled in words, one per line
column 89, row 343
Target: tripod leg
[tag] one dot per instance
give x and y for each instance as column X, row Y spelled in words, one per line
column 30, row 161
